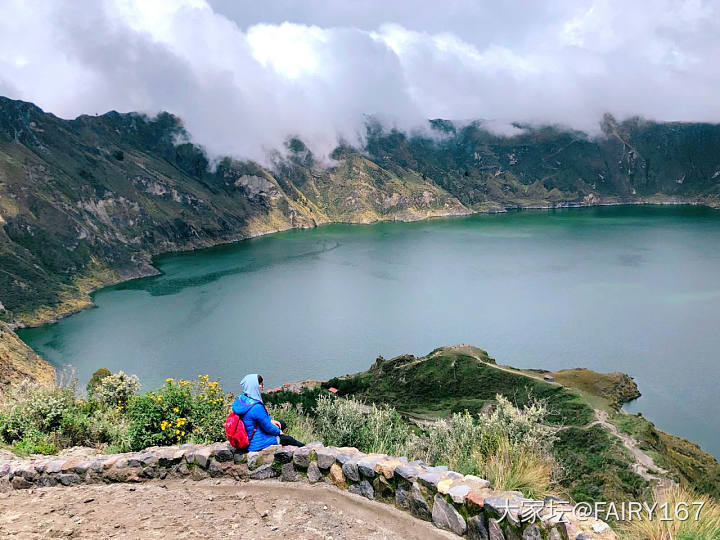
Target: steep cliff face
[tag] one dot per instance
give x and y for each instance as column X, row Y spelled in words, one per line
column 18, row 362
column 88, row 202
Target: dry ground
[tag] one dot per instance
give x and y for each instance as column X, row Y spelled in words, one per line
column 205, row 509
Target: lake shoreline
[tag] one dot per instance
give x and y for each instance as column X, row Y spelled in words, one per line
column 150, row 270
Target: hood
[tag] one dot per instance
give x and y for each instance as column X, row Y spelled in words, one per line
column 250, row 386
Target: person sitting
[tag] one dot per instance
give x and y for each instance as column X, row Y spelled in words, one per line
column 262, row 430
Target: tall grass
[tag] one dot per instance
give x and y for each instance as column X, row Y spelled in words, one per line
column 706, row 527
column 298, row 425
column 347, row 422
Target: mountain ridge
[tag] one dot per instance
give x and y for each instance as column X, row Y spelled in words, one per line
column 88, row 202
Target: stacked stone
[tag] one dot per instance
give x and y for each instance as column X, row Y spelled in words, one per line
column 462, row 504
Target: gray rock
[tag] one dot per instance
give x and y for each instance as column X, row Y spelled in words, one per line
column 68, row 479
column 263, row 472
column 239, row 456
column 418, row 505
column 494, row 530
column 313, row 473
column 430, row 479
column 445, row 516
column 325, row 457
column 350, row 470
column 288, row 473
column 364, row 488
column 144, row 459
column 532, row 533
column 477, row 528
column 47, row 481
column 583, row 536
column 81, row 468
column 301, row 457
column 409, row 472
column 402, row 497
column 458, row 493
column 202, row 457
column 366, row 466
column 224, row 453
column 554, row 534
column 285, row 454
column 347, row 456
column 54, row 466
column 496, row 506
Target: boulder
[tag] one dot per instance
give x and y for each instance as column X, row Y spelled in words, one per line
column 313, row 473
column 402, row 497
column 18, row 482
column 477, row 528
column 263, row 472
column 325, row 457
column 350, row 470
column 458, row 493
column 364, row 489
column 288, row 473
column 445, row 516
column 303, row 456
column 387, row 467
column 532, row 533
column 418, row 505
column 494, row 530
column 285, row 454
column 336, row 476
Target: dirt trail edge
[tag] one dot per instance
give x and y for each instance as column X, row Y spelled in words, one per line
column 206, row 509
column 644, row 464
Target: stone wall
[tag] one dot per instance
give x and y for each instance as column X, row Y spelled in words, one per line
column 463, row 504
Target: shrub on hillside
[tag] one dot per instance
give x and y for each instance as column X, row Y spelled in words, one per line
column 510, row 447
column 347, row 422
column 297, row 424
column 180, row 411
column 115, row 389
column 36, row 419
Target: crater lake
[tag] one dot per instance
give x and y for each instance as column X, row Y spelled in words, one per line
column 626, row 288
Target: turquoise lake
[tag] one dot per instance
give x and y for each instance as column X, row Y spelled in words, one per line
column 632, row 288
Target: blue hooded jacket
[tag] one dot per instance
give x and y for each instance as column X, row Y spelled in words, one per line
column 251, row 409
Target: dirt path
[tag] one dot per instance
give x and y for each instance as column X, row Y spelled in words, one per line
column 205, row 509
column 644, row 464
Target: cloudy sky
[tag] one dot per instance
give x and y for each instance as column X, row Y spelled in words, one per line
column 244, row 74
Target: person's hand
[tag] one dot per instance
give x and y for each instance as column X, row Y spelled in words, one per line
column 276, row 424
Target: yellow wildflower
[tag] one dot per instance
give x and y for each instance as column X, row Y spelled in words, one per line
column 169, row 380
column 159, row 398
column 176, row 410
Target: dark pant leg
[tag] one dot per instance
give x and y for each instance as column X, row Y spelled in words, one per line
column 287, row 440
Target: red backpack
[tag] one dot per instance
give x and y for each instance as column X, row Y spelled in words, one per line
column 235, row 431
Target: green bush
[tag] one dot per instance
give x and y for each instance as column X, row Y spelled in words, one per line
column 297, row 424
column 179, row 412
column 98, row 376
column 347, row 422
column 116, row 389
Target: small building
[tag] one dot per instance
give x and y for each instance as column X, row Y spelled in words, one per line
column 549, row 378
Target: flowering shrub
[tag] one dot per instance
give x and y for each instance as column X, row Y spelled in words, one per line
column 180, row 411
column 116, row 389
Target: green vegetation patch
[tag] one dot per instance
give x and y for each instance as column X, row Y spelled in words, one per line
column 449, row 380
column 685, row 460
column 596, row 467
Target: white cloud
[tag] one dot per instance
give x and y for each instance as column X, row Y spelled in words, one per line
column 244, row 79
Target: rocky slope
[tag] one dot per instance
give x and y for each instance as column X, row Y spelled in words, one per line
column 19, row 362
column 88, row 202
